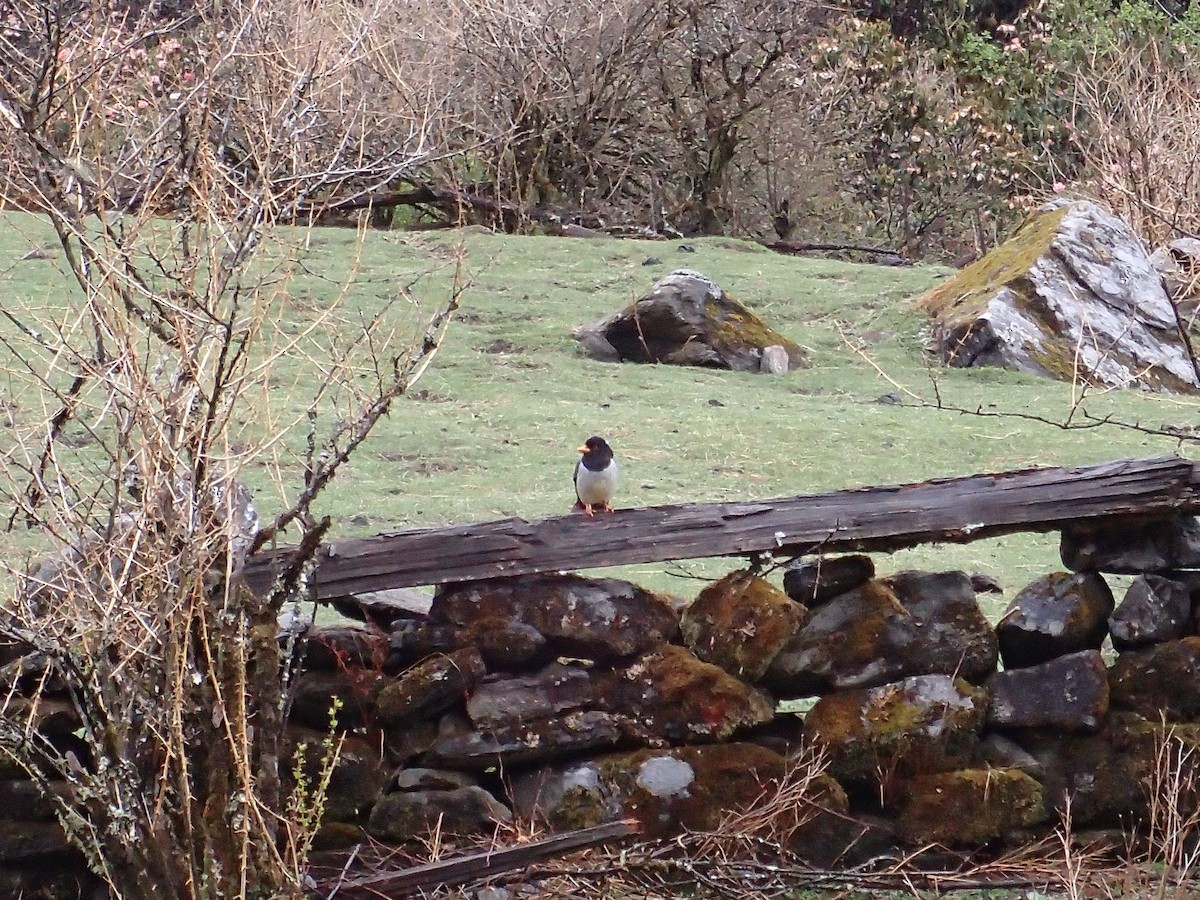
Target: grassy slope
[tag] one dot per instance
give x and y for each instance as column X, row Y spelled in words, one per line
column 498, row 417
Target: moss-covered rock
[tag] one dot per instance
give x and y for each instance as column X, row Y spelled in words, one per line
column 687, row 319
column 817, row 581
column 594, row 618
column 1057, row 614
column 1107, row 776
column 970, row 807
column 1132, row 544
column 671, row 695
column 510, row 700
column 1159, row 681
column 910, row 623
column 460, row 745
column 1072, row 295
column 412, row 815
column 358, row 777
column 1070, row 692
column 431, row 687
column 353, row 690
column 337, row 646
column 923, row 724
column 696, row 788
column 1154, row 610
column 740, row 623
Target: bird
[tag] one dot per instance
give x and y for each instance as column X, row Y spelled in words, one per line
column 595, row 476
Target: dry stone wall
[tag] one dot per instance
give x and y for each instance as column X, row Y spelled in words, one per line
column 577, row 701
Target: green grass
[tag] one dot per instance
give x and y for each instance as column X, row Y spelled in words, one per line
column 491, row 430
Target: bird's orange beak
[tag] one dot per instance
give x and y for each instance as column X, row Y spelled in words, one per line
column 583, row 449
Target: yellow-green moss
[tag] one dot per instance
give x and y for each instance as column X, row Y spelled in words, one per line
column 740, row 623
column 971, row 806
column 1007, row 265
column 736, row 327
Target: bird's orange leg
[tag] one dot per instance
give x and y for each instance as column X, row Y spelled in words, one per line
column 587, row 510
column 604, row 507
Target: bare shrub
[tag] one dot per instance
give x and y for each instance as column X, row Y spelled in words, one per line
column 164, row 151
column 1136, row 109
column 638, row 108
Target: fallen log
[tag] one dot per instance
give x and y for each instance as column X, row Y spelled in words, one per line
column 889, row 518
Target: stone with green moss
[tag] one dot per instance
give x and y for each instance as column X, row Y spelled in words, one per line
column 1072, row 295
column 740, row 623
column 671, row 695
column 970, row 807
column 696, row 788
column 687, row 319
column 910, row 623
column 923, row 724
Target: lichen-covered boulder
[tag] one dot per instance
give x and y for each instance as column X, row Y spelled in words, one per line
column 740, row 623
column 910, row 623
column 814, row 582
column 1159, row 680
column 695, row 788
column 338, row 646
column 352, row 690
column 412, row 640
column 927, row 723
column 687, row 319
column 671, row 695
column 1057, row 614
column 1069, row 692
column 1132, row 546
column 431, row 687
column 412, row 815
column 1155, row 610
column 1071, row 295
column 504, row 643
column 970, row 807
column 511, row 700
column 594, row 618
column 460, row 745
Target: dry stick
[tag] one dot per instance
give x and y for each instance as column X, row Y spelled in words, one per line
column 862, row 354
column 1067, row 425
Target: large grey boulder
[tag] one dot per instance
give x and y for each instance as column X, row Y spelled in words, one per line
column 1073, row 294
column 686, row 319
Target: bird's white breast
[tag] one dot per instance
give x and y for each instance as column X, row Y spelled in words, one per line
column 596, row 487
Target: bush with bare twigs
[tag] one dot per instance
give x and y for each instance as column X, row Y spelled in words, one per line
column 640, row 109
column 227, row 119
column 1136, row 105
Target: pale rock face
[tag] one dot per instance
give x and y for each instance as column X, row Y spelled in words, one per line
column 1074, row 294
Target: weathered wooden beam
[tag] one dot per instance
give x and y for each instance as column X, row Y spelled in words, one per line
column 474, row 866
column 870, row 519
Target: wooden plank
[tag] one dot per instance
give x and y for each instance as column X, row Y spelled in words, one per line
column 868, row 519
column 474, row 866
